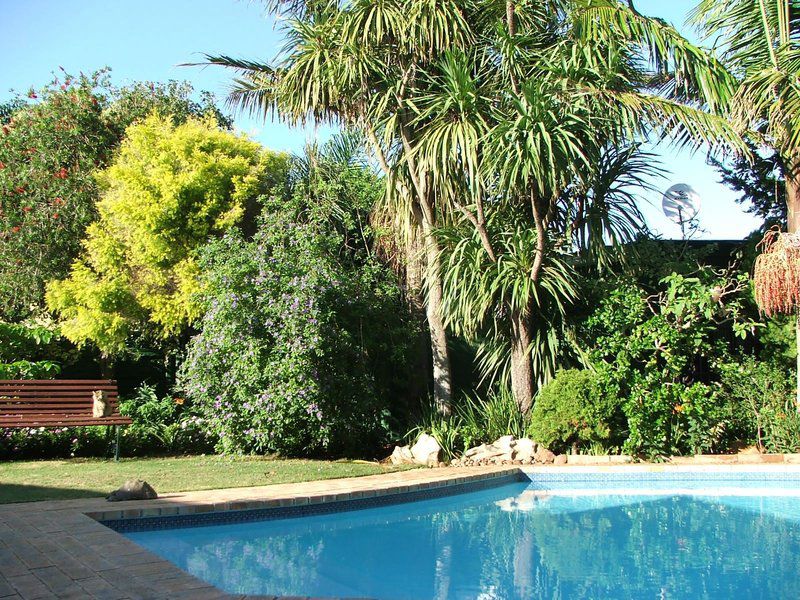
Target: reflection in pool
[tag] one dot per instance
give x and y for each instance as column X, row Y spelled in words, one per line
column 508, row 542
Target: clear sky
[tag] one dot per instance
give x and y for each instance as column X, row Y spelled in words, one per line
column 148, row 39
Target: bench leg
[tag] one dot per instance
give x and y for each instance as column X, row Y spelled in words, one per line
column 116, row 444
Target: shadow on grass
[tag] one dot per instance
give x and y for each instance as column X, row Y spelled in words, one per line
column 14, row 492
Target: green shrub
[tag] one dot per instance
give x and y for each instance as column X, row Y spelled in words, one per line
column 163, row 425
column 25, row 349
column 305, row 343
column 574, row 410
column 762, row 396
column 486, row 419
column 448, row 431
column 674, row 418
column 664, row 352
column 62, row 442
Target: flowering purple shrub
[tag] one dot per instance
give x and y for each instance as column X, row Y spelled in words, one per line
column 302, row 342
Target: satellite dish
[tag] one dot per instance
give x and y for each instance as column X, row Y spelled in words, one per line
column 681, row 203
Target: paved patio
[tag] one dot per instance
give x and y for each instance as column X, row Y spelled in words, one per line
column 57, row 549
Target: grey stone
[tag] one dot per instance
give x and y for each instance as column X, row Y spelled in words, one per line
column 402, row 456
column 133, row 489
column 544, row 456
column 426, row 451
column 524, row 449
column 504, row 443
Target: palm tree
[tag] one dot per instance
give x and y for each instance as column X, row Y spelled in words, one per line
column 759, row 43
column 522, row 122
column 479, row 106
column 362, row 64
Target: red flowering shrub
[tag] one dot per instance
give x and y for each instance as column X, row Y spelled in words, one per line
column 49, row 150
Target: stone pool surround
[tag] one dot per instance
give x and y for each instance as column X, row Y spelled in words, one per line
column 59, row 549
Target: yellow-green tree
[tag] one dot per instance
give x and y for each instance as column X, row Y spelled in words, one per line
column 169, row 190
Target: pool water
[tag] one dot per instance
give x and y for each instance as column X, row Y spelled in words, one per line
column 508, row 542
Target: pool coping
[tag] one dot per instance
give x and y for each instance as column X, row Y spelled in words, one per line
column 60, row 549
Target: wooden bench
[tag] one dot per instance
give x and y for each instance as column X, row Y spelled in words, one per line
column 55, row 403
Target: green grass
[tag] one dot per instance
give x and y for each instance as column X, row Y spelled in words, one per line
column 25, row 481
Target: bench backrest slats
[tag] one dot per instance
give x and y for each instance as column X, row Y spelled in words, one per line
column 54, row 402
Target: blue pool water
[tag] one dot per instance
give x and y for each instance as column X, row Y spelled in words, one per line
column 509, row 542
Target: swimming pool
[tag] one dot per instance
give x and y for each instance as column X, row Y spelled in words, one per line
column 693, row 536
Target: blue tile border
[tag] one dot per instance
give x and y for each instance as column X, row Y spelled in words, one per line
column 662, row 480
column 206, row 519
column 666, row 475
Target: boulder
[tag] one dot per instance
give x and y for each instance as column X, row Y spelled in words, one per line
column 544, row 456
column 489, row 453
column 401, row 455
column 505, row 443
column 524, row 449
column 426, row 451
column 133, row 489
column 561, row 460
column 474, row 451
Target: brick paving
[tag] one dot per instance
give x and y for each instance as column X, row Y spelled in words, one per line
column 58, row 549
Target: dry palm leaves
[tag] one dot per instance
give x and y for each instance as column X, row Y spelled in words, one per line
column 777, row 273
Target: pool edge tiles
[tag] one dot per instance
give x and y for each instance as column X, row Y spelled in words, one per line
column 302, row 506
column 667, row 480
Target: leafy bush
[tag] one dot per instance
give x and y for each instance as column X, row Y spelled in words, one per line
column 574, row 410
column 163, row 425
column 486, row 419
column 673, row 418
column 474, row 421
column 304, row 338
column 63, row 442
column 664, row 352
column 22, row 346
column 763, row 397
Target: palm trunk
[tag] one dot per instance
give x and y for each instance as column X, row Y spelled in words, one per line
column 793, row 223
column 442, row 384
column 521, row 367
column 793, row 196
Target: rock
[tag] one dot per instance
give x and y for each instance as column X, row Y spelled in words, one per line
column 560, row 460
column 544, row 456
column 401, row 455
column 504, row 443
column 491, row 452
column 524, row 449
column 426, row 451
column 473, row 451
column 133, row 489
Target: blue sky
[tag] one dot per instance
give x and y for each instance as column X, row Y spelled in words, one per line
column 148, row 39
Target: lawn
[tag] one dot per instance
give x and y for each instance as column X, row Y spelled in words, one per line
column 25, row 481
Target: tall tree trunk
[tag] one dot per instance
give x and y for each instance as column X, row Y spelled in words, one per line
column 521, row 330
column 414, row 249
column 793, row 223
column 442, row 379
column 793, row 195
column 521, row 367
